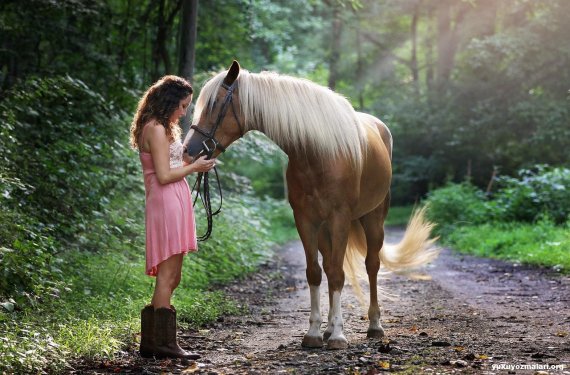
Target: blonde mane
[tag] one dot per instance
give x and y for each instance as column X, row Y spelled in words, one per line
column 295, row 113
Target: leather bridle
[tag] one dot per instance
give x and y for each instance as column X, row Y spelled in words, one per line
column 209, row 146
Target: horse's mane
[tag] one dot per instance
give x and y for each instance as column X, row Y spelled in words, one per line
column 295, row 113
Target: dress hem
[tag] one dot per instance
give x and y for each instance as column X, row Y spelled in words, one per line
column 152, row 272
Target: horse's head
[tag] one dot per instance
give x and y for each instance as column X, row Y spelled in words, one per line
column 219, row 121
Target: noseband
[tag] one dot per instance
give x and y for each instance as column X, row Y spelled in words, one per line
column 210, row 144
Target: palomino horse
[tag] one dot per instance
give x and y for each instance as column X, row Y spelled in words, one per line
column 338, row 180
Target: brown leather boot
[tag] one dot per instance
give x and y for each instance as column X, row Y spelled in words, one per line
column 165, row 342
column 147, row 332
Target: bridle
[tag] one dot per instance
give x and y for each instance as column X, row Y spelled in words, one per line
column 209, row 145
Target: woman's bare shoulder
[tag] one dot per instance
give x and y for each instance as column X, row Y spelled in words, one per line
column 155, row 129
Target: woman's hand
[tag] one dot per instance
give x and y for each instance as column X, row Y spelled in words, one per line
column 187, row 159
column 203, row 165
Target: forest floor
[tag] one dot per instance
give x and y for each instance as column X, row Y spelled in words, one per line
column 475, row 316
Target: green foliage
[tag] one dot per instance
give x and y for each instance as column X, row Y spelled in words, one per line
column 536, row 193
column 541, row 243
column 456, row 205
column 30, row 272
column 67, row 145
column 26, row 348
column 526, row 221
column 97, row 312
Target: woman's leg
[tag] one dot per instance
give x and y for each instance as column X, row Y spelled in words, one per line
column 167, row 280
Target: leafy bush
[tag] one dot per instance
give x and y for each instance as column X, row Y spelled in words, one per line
column 538, row 192
column 62, row 141
column 457, row 205
column 29, row 269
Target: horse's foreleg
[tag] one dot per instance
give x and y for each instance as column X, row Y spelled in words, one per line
column 326, row 250
column 333, row 261
column 373, row 225
column 308, row 234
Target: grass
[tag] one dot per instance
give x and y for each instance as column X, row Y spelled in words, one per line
column 542, row 243
column 97, row 313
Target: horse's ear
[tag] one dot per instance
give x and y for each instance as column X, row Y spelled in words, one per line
column 233, row 73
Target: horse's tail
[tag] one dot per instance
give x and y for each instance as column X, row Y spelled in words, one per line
column 414, row 250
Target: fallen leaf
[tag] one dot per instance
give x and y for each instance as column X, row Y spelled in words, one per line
column 191, row 369
column 384, row 364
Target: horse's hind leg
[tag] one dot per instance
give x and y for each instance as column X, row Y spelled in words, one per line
column 373, row 224
column 308, row 233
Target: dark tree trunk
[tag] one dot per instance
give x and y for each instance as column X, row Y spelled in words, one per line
column 188, row 36
column 188, row 32
column 335, row 46
column 159, row 42
column 125, row 33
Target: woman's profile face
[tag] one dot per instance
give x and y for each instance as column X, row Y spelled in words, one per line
column 181, row 109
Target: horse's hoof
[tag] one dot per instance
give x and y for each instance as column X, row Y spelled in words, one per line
column 375, row 333
column 312, row 342
column 336, row 344
column 326, row 336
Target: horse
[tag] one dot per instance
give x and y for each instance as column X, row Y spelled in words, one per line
column 338, row 177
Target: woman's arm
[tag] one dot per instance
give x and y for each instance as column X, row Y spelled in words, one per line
column 160, row 151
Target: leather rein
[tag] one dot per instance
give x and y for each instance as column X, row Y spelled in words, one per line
column 209, row 145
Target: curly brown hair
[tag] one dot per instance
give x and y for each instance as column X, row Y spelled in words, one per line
column 158, row 103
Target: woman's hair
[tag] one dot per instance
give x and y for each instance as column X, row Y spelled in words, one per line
column 159, row 103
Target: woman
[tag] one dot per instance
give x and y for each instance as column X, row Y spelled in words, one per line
column 169, row 217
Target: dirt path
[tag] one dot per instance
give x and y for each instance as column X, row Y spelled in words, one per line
column 474, row 316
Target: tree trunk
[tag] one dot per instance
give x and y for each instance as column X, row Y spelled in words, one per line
column 429, row 54
column 414, row 61
column 125, row 31
column 159, row 42
column 444, row 48
column 359, row 66
column 188, row 32
column 448, row 38
column 188, row 36
column 335, row 46
column 486, row 17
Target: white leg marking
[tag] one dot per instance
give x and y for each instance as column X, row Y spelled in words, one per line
column 336, row 321
column 374, row 317
column 315, row 319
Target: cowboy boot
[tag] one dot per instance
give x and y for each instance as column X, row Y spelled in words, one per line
column 147, row 332
column 165, row 342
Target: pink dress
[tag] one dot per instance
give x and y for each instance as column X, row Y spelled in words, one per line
column 169, row 215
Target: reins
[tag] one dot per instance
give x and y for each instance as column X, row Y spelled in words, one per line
column 209, row 145
column 206, row 200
